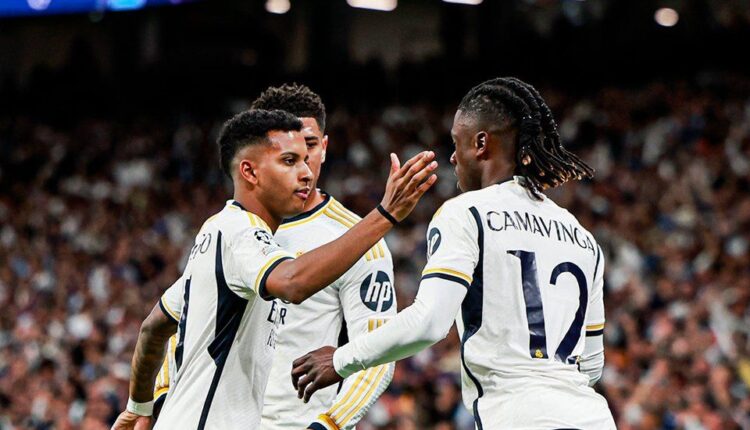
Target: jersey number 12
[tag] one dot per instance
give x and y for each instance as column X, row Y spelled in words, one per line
column 535, row 311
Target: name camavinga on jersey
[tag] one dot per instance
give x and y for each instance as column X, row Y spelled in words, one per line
column 536, row 224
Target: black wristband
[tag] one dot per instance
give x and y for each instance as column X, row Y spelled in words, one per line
column 387, row 215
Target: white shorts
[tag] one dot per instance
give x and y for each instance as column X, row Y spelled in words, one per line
column 545, row 407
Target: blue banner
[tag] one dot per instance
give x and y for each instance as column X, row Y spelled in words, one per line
column 51, row 7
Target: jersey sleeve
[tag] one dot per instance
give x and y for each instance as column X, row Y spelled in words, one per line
column 595, row 308
column 591, row 362
column 368, row 299
column 171, row 301
column 250, row 257
column 452, row 245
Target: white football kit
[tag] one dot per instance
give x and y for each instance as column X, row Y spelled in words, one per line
column 225, row 338
column 524, row 282
column 358, row 302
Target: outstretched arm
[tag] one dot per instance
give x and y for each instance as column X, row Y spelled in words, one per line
column 297, row 279
column 422, row 324
column 147, row 359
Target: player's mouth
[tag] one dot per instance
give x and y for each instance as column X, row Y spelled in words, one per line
column 302, row 193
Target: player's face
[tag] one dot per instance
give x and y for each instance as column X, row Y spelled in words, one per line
column 464, row 153
column 284, row 178
column 316, row 146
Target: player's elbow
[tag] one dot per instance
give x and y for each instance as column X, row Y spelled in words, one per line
column 593, row 367
column 435, row 329
column 285, row 285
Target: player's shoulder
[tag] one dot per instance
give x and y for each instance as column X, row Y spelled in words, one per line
column 339, row 216
column 234, row 220
column 460, row 206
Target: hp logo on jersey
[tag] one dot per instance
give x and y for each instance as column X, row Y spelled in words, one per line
column 376, row 292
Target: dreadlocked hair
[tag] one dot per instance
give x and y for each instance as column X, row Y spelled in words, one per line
column 540, row 157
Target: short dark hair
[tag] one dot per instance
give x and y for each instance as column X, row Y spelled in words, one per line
column 510, row 103
column 294, row 98
column 251, row 127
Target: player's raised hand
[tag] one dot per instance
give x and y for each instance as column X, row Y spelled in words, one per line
column 314, row 371
column 128, row 420
column 408, row 183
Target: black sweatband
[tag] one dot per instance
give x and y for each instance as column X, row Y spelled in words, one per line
column 387, row 215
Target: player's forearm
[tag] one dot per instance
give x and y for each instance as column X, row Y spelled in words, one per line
column 149, row 354
column 296, row 280
column 417, row 327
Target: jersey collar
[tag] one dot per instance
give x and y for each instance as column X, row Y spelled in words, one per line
column 236, row 203
column 508, row 179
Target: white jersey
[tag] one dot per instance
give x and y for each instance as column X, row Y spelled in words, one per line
column 358, row 302
column 225, row 339
column 534, row 289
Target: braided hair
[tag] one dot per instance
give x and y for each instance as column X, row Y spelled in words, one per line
column 540, row 157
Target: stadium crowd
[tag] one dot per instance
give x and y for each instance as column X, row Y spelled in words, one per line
column 96, row 220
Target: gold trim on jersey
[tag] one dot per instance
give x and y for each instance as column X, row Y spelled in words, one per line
column 366, row 378
column 307, row 219
column 594, row 327
column 339, row 209
column 160, row 392
column 383, row 369
column 328, row 421
column 374, row 323
column 161, row 385
column 335, row 212
column 355, row 386
column 265, row 267
column 447, row 271
column 171, row 312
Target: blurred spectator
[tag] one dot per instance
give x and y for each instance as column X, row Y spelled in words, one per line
column 96, row 220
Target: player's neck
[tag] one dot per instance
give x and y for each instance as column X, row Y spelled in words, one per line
column 251, row 204
column 496, row 171
column 314, row 199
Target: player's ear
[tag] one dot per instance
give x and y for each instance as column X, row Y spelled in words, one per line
column 480, row 143
column 247, row 170
column 324, row 144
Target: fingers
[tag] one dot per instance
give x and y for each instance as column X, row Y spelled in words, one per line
column 420, row 176
column 424, row 163
column 143, row 423
column 310, row 391
column 417, row 159
column 395, row 163
column 301, row 385
column 426, row 185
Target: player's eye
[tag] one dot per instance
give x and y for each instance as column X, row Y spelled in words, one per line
column 289, row 161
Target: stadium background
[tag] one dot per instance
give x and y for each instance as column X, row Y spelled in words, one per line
column 108, row 166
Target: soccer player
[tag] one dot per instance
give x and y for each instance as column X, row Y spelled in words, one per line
column 520, row 275
column 221, row 302
column 358, row 302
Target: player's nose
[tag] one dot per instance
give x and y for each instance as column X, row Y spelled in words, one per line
column 453, row 158
column 305, row 173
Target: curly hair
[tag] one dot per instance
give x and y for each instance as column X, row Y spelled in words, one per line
column 294, row 98
column 251, row 127
column 540, row 156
